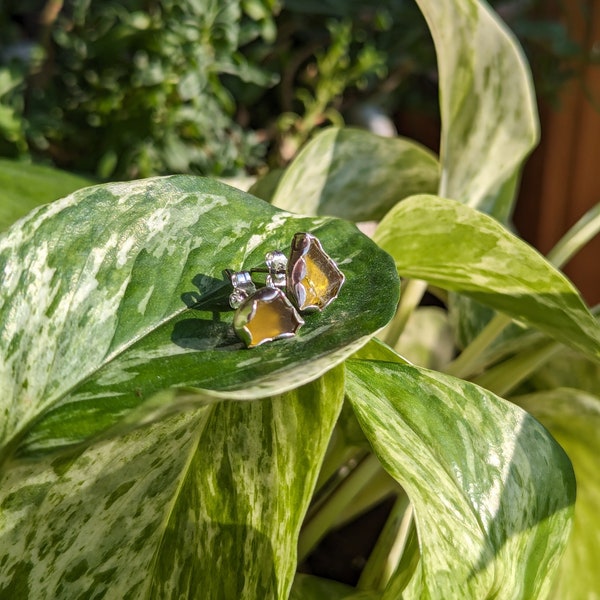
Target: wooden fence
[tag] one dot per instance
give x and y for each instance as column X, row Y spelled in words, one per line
column 562, row 178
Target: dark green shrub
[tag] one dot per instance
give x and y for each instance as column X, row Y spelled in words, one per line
column 137, row 88
column 133, row 88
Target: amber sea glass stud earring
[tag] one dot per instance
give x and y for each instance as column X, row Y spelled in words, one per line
column 261, row 315
column 313, row 279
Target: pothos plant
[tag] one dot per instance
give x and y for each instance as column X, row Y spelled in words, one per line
column 147, row 454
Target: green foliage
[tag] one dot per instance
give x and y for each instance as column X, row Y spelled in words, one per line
column 159, row 230
column 504, row 272
column 335, row 70
column 133, row 89
column 349, row 163
column 139, row 88
column 145, row 453
column 23, row 187
column 573, row 418
column 484, row 538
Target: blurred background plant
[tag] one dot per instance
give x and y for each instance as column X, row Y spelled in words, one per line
column 130, row 89
column 140, row 87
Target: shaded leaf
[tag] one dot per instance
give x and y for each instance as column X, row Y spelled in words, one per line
column 23, row 187
column 348, row 429
column 570, row 369
column 492, row 491
column 489, row 118
column 355, row 174
column 207, row 503
column 457, row 248
column 377, row 350
column 487, row 104
column 95, row 296
column 467, row 318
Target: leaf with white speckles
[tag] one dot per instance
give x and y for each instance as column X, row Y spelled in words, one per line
column 488, row 114
column 470, row 462
column 94, row 305
column 573, row 418
column 355, row 174
column 487, row 104
column 457, row 248
column 207, row 503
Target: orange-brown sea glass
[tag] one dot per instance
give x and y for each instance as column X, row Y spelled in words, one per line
column 265, row 316
column 314, row 280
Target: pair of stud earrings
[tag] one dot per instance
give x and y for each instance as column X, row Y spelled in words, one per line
column 311, row 279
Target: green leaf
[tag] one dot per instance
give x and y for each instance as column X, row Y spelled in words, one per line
column 492, row 491
column 573, row 418
column 207, row 503
column 94, row 317
column 348, row 429
column 489, row 117
column 487, row 104
column 375, row 349
column 469, row 318
column 355, row 175
column 457, row 248
column 23, row 187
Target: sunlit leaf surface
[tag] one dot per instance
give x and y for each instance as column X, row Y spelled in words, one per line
column 457, row 248
column 573, row 418
column 493, row 493
column 487, row 104
column 355, row 174
column 95, row 298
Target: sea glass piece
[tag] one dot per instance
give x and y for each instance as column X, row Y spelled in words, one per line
column 313, row 278
column 265, row 316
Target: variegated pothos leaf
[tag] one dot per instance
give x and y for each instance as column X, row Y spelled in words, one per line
column 355, row 174
column 489, row 119
column 573, row 418
column 493, row 493
column 95, row 295
column 487, row 104
column 458, row 248
column 205, row 503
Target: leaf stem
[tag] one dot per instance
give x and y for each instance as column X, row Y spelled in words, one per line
column 338, row 454
column 576, row 238
column 322, row 520
column 411, row 296
column 466, row 363
column 389, row 548
column 506, row 376
column 380, row 487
